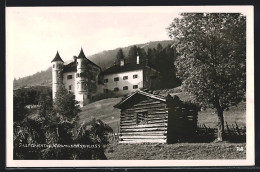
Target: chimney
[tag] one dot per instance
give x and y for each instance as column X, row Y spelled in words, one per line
column 75, row 58
column 137, row 59
column 122, row 62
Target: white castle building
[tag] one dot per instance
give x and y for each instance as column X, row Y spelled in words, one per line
column 86, row 80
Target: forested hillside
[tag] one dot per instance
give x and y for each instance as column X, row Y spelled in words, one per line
column 104, row 59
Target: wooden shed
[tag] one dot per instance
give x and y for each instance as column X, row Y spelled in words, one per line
column 146, row 117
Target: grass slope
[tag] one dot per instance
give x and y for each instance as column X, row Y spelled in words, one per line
column 103, row 110
column 234, row 114
column 178, row 151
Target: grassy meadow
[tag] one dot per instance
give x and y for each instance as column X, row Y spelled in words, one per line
column 105, row 111
column 178, row 151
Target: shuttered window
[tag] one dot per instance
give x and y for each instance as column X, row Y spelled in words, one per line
column 142, row 118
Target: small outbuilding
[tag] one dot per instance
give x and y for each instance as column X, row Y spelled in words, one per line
column 147, row 117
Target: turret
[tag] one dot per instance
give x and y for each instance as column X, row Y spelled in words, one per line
column 81, row 72
column 57, row 73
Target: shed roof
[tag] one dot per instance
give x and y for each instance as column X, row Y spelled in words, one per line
column 138, row 92
column 158, row 95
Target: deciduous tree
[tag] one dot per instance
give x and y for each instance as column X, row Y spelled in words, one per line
column 212, row 59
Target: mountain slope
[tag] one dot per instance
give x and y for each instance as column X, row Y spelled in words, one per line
column 104, row 59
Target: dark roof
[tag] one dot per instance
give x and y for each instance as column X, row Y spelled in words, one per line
column 72, row 66
column 81, row 54
column 127, row 67
column 57, row 58
column 89, row 61
column 138, row 92
column 157, row 94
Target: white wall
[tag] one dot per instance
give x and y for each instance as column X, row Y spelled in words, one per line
column 68, row 82
column 55, row 80
column 111, row 84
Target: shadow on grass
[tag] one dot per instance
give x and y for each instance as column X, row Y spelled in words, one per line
column 203, row 134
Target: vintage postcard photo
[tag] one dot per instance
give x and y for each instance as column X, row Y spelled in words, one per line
column 136, row 86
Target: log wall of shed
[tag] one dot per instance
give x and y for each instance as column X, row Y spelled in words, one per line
column 152, row 130
column 182, row 120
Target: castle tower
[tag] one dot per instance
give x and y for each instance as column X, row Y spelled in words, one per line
column 57, row 73
column 81, row 78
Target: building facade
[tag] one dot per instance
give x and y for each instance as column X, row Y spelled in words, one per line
column 123, row 78
column 81, row 77
column 85, row 79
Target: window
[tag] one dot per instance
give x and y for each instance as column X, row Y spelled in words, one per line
column 84, row 85
column 82, row 74
column 53, row 65
column 116, row 89
column 125, row 77
column 125, row 88
column 69, row 76
column 142, row 118
column 89, row 96
column 70, row 87
column 116, row 79
column 135, row 76
column 135, row 86
column 105, row 80
column 105, row 90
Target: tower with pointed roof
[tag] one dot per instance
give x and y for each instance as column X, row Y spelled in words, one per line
column 82, row 87
column 57, row 73
column 80, row 77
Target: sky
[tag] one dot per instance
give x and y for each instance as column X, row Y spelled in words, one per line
column 35, row 34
